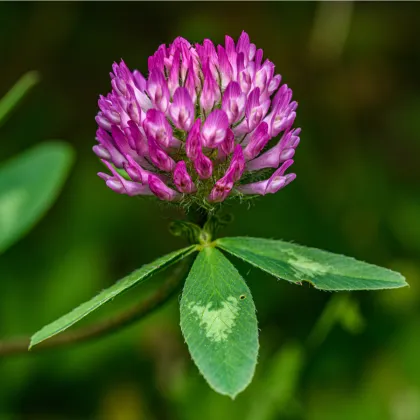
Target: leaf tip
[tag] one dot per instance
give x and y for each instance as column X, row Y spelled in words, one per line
column 32, row 343
column 35, row 340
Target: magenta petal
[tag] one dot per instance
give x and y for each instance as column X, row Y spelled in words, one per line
column 254, row 111
column 282, row 96
column 283, row 112
column 243, row 44
column 270, row 186
column 240, row 64
column 274, row 84
column 182, row 179
column 193, row 142
column 191, row 82
column 119, row 85
column 214, row 128
column 134, row 94
column 294, row 139
column 231, row 54
column 278, row 182
column 182, row 109
column 264, row 75
column 122, row 186
column 108, row 110
column 210, row 93
column 102, row 152
column 135, row 171
column 161, row 190
column 225, row 67
column 228, row 144
column 281, row 152
column 156, row 126
column 121, row 141
column 245, row 80
column 233, row 102
column 253, row 101
column 156, row 61
column 108, row 143
column 237, row 164
column 159, row 157
column 136, row 138
column 127, row 187
column 134, row 112
column 103, row 122
column 157, row 88
column 282, row 120
column 173, row 80
column 259, row 139
column 252, row 51
column 203, row 166
column 208, row 56
column 139, row 81
column 287, row 154
column 220, row 191
column 223, row 186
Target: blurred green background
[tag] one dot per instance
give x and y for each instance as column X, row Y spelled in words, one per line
column 354, row 69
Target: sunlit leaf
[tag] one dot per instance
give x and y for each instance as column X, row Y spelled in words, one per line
column 133, row 279
column 219, row 323
column 322, row 269
column 29, row 184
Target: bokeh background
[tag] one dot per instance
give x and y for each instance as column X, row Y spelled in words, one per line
column 354, row 69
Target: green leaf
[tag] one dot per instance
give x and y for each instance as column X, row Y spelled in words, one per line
column 16, row 93
column 135, row 278
column 324, row 270
column 29, row 184
column 219, row 323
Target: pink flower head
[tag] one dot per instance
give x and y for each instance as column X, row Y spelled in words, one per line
column 203, row 117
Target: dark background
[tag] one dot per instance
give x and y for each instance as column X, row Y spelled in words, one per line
column 354, row 69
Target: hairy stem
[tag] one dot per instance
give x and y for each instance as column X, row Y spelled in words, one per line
column 103, row 328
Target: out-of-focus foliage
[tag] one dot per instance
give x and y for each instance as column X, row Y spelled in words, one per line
column 29, row 183
column 12, row 98
column 356, row 193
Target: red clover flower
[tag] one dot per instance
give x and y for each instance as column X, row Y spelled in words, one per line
column 200, row 128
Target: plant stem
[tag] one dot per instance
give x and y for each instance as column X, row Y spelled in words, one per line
column 103, row 328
